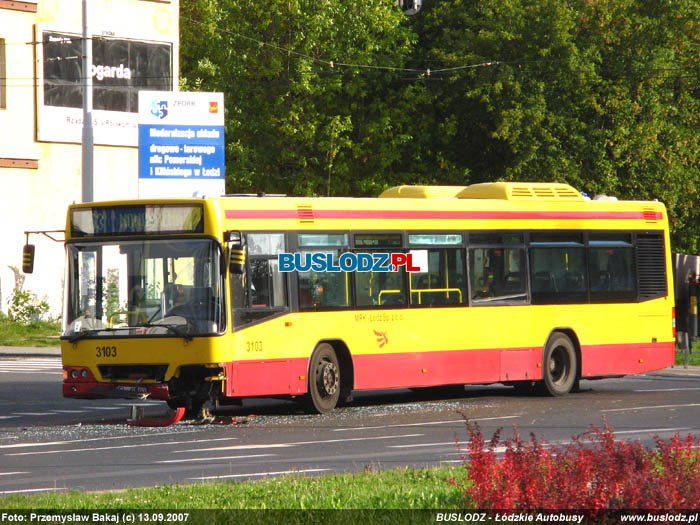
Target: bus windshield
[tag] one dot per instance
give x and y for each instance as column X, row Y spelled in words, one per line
column 143, row 287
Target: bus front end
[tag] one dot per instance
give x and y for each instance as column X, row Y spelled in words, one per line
column 144, row 305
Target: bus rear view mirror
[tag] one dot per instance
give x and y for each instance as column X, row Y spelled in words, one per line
column 237, row 252
column 28, row 258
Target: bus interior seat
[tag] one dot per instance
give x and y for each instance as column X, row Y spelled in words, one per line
column 513, row 283
column 600, row 281
column 543, row 282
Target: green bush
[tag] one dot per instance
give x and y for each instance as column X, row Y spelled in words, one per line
column 25, row 307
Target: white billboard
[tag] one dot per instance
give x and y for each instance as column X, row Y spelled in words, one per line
column 121, row 67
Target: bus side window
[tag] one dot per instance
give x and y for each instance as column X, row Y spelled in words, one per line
column 261, row 291
column 611, row 269
column 496, row 274
column 266, row 284
column 443, row 284
column 558, row 274
column 323, row 290
column 380, row 289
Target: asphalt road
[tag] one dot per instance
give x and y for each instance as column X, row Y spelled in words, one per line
column 48, row 443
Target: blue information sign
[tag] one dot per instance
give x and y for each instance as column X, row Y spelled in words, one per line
column 181, row 152
column 181, row 143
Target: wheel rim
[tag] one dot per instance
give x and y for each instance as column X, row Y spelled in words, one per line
column 328, row 379
column 559, row 366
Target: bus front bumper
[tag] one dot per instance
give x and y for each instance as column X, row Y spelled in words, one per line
column 95, row 390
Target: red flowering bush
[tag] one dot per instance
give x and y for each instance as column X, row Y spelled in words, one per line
column 593, row 472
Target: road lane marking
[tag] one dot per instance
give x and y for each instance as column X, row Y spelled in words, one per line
column 29, row 371
column 8, row 417
column 280, row 473
column 421, row 424
column 50, row 489
column 215, row 459
column 48, row 443
column 294, row 444
column 69, row 411
column 32, row 414
column 12, row 473
column 650, row 407
column 415, row 445
column 648, row 430
column 666, row 389
column 63, row 451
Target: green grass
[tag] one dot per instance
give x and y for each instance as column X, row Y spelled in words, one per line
column 693, row 357
column 38, row 333
column 403, row 488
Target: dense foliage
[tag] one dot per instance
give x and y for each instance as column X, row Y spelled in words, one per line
column 595, row 472
column 347, row 98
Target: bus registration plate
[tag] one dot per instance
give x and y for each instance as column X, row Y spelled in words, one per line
column 132, row 389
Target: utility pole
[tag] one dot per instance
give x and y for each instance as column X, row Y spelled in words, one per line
column 88, row 140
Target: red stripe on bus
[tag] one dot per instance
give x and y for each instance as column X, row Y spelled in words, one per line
column 438, row 214
column 416, row 369
column 624, row 359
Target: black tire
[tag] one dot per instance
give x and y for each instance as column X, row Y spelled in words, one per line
column 559, row 365
column 323, row 381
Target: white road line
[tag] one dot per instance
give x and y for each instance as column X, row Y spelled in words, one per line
column 666, row 389
column 235, row 447
column 8, row 417
column 117, row 447
column 650, row 407
column 69, row 411
column 280, row 473
column 349, row 429
column 215, row 459
column 650, row 430
column 29, row 372
column 32, row 414
column 295, row 444
column 103, row 408
column 42, row 363
column 12, row 473
column 48, row 443
column 25, row 364
column 50, row 489
column 415, row 445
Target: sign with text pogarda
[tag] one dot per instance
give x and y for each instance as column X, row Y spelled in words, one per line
column 181, row 144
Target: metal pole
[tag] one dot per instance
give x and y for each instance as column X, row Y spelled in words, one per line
column 88, row 141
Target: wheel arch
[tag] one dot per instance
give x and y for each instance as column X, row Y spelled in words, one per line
column 347, row 368
column 571, row 334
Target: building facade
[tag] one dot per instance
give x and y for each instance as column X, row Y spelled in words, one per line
column 135, row 46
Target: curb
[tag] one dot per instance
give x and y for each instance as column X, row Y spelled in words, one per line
column 29, row 351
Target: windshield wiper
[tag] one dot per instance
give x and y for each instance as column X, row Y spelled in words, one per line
column 75, row 336
column 172, row 327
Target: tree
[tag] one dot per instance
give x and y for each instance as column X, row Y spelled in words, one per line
column 298, row 116
column 345, row 98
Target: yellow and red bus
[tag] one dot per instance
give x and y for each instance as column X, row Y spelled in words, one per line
column 527, row 284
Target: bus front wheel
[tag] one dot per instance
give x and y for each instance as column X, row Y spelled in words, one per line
column 324, row 380
column 559, row 365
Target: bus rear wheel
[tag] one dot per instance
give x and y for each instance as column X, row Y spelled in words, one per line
column 559, row 365
column 324, row 380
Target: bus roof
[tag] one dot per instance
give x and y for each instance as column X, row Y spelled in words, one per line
column 500, row 205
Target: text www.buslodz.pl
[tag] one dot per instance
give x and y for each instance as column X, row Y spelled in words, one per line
column 349, row 262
